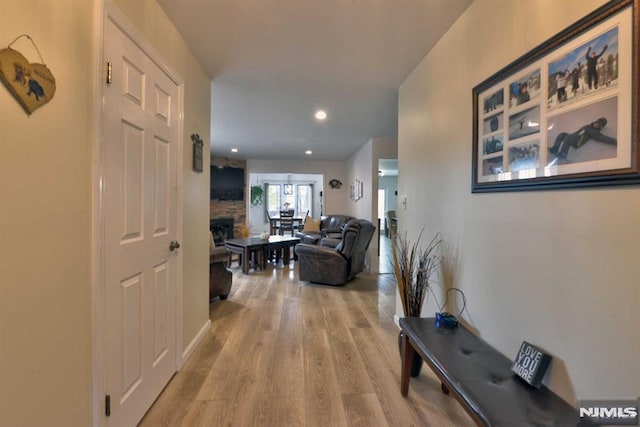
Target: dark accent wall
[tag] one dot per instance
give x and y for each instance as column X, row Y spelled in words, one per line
column 236, row 209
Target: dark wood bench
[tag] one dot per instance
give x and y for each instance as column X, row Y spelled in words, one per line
column 480, row 377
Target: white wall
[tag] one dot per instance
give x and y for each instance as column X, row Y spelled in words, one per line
column 556, row 268
column 45, row 222
column 335, row 200
column 46, row 210
column 385, row 148
column 359, row 167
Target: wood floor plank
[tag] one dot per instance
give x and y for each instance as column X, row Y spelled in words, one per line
column 341, row 303
column 270, row 314
column 336, row 313
column 261, row 285
column 385, row 379
column 323, row 403
column 175, row 402
column 363, row 410
column 351, row 374
column 288, row 363
column 357, row 316
column 286, row 412
column 313, row 315
column 233, row 365
column 207, row 413
column 252, row 406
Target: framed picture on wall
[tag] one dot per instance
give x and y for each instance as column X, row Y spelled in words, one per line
column 565, row 113
column 197, row 152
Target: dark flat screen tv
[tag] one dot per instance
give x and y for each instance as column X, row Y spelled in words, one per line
column 227, row 183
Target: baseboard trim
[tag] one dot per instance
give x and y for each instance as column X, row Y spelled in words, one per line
column 396, row 320
column 186, row 354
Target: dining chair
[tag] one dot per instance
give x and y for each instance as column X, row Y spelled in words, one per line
column 286, row 222
column 391, row 225
column 273, row 223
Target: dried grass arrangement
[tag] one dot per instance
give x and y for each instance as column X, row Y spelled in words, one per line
column 245, row 230
column 413, row 269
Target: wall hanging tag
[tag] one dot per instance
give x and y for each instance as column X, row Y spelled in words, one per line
column 32, row 84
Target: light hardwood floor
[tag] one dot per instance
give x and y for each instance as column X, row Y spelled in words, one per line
column 282, row 352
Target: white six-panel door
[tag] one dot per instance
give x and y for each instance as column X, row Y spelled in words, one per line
column 140, row 133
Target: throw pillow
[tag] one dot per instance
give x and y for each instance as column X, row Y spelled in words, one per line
column 311, row 224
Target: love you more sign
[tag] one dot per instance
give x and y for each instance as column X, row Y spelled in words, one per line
column 531, row 364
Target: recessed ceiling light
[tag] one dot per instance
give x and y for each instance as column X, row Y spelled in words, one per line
column 308, row 152
column 234, row 150
column 321, row 115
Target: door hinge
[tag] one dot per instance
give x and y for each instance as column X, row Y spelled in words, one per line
column 107, row 405
column 109, row 73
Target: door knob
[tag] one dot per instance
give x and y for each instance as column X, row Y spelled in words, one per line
column 173, row 245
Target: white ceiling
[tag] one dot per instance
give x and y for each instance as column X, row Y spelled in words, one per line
column 274, row 62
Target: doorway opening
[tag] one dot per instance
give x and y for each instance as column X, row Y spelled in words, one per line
column 387, row 204
column 301, row 193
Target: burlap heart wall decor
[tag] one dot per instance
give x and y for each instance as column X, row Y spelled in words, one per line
column 32, row 84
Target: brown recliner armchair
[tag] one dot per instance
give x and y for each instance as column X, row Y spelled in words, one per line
column 336, row 266
column 220, row 277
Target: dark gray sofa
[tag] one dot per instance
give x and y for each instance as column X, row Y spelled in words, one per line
column 330, row 227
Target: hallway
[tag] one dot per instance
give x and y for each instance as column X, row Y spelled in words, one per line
column 288, row 353
column 386, row 257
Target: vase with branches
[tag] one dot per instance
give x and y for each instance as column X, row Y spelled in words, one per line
column 413, row 268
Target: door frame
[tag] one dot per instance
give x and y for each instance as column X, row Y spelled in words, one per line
column 106, row 11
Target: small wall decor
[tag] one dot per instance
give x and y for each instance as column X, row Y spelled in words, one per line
column 356, row 190
column 564, row 114
column 197, row 152
column 31, row 84
column 335, row 183
column 531, row 364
